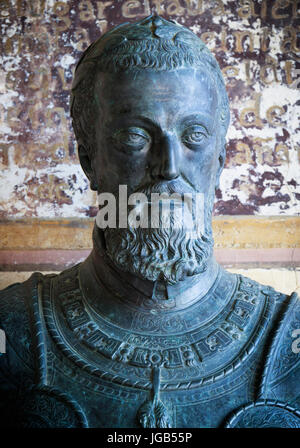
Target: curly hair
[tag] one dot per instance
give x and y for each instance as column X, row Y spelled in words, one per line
column 151, row 44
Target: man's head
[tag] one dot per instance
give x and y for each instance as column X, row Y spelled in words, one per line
column 150, row 111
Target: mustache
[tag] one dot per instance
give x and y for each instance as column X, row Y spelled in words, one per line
column 176, row 186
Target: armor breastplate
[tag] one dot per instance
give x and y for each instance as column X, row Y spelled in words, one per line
column 192, row 368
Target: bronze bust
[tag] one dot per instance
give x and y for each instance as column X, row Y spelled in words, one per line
column 149, row 331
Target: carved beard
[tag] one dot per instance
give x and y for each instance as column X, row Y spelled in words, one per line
column 165, row 254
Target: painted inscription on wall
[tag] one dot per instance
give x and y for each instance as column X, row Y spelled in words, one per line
column 257, row 45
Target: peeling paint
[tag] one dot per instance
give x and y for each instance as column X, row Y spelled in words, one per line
column 255, row 43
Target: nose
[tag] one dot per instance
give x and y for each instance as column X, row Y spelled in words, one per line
column 167, row 159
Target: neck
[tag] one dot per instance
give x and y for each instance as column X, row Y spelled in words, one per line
column 99, row 269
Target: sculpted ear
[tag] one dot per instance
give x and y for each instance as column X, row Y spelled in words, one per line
column 86, row 165
column 221, row 160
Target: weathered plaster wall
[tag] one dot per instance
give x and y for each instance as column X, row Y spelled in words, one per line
column 256, row 45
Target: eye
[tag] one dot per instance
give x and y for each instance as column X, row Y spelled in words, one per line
column 132, row 139
column 194, row 135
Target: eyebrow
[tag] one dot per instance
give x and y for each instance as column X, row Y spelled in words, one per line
column 142, row 118
column 200, row 118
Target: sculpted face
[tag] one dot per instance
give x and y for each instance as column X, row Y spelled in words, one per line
column 156, row 127
column 158, row 132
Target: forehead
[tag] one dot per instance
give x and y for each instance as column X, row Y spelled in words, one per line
column 172, row 93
